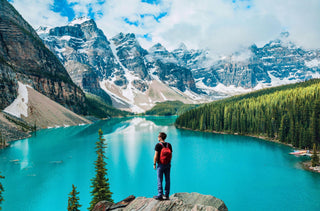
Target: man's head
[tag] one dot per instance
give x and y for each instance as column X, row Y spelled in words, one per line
column 162, row 136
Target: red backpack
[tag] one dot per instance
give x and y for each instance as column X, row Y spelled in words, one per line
column 165, row 154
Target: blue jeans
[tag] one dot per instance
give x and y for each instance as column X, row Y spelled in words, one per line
column 163, row 169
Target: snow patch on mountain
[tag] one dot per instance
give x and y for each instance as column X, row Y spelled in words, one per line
column 43, row 30
column 130, row 91
column 278, row 82
column 65, row 38
column 163, row 97
column 20, row 105
column 120, row 100
column 222, row 91
column 78, row 21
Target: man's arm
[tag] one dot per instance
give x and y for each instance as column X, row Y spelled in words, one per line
column 156, row 153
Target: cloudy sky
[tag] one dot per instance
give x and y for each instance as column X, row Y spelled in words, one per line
column 223, row 26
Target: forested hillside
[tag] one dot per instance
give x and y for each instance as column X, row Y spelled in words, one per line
column 97, row 107
column 290, row 114
column 169, row 108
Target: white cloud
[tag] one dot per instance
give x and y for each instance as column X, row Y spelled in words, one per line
column 82, row 7
column 39, row 13
column 115, row 11
column 216, row 24
column 219, row 25
column 301, row 18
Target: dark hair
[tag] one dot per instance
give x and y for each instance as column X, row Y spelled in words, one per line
column 163, row 135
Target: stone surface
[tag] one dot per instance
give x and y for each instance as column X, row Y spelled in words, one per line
column 106, row 205
column 196, row 198
column 177, row 202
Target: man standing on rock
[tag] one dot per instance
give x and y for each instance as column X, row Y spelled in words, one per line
column 162, row 156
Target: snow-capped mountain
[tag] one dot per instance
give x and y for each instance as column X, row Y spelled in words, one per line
column 167, row 68
column 133, row 78
column 276, row 63
column 81, row 41
column 137, row 78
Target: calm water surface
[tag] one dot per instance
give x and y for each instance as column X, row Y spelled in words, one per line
column 246, row 173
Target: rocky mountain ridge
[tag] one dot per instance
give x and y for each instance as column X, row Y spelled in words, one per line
column 24, row 58
column 278, row 62
column 127, row 71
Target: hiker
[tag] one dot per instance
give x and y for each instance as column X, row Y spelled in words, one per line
column 162, row 156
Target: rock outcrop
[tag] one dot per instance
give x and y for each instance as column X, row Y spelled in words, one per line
column 178, row 201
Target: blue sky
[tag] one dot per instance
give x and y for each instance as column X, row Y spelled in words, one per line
column 220, row 25
column 65, row 8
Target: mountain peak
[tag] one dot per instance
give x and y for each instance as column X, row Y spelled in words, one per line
column 121, row 37
column 79, row 21
column 43, row 29
column 158, row 47
column 182, row 46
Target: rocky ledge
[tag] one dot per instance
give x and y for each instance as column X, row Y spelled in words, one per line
column 178, row 201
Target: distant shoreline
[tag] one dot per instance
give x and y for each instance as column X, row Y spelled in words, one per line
column 305, row 165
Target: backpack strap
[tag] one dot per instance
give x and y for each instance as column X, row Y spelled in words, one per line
column 165, row 146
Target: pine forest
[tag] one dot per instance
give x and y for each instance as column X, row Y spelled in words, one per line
column 289, row 114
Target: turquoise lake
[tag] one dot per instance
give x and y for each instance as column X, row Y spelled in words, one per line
column 246, row 173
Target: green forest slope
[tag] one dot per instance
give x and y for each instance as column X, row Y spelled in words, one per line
column 98, row 108
column 287, row 113
column 169, row 108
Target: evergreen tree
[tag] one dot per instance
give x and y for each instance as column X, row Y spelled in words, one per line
column 1, row 141
column 73, row 201
column 1, row 190
column 284, row 128
column 314, row 157
column 314, row 124
column 101, row 190
column 35, row 128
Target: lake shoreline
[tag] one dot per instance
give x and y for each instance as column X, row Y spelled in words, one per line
column 306, row 165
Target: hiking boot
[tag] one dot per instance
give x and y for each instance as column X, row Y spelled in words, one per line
column 165, row 197
column 158, row 198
